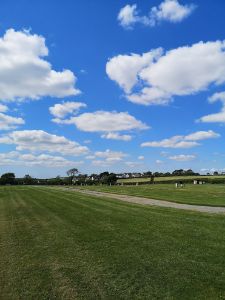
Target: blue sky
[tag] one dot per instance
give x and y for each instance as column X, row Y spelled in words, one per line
column 111, row 85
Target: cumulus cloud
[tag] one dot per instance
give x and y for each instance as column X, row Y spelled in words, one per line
column 15, row 158
column 158, row 76
column 25, row 74
column 169, row 10
column 117, row 136
column 128, row 16
column 8, row 122
column 110, row 156
column 201, row 135
column 106, row 158
column 124, row 69
column 104, row 121
column 216, row 117
column 182, row 157
column 60, row 110
column 39, row 140
column 181, row 141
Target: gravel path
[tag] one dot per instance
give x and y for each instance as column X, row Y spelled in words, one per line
column 154, row 202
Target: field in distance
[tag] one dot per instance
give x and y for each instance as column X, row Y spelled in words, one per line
column 172, row 178
column 61, row 244
column 206, row 194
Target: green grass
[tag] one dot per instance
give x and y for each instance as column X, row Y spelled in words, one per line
column 208, row 194
column 59, row 244
column 171, row 178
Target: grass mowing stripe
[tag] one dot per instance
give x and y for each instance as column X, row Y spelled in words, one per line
column 116, row 251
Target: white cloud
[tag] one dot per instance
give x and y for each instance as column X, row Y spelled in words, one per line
column 164, row 153
column 124, row 69
column 182, row 157
column 212, row 170
column 15, row 158
column 128, row 16
column 180, row 141
column 173, row 142
column 168, row 10
column 141, row 157
column 201, row 135
column 110, row 156
column 100, row 163
column 106, row 158
column 60, row 110
column 216, row 117
column 3, row 108
column 133, row 164
column 39, row 140
column 8, row 122
column 90, row 157
column 87, row 141
column 117, row 136
column 104, row 121
column 159, row 162
column 182, row 71
column 25, row 74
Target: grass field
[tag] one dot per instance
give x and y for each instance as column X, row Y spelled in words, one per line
column 59, row 244
column 207, row 194
column 170, row 178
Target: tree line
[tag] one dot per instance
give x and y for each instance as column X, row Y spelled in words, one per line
column 74, row 177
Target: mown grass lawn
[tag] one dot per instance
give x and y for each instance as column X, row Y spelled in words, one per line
column 207, row 194
column 58, row 244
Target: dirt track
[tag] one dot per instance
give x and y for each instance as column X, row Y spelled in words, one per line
column 154, row 202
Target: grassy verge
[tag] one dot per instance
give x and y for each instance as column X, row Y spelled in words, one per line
column 65, row 245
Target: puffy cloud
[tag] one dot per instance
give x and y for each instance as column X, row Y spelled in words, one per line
column 217, row 117
column 104, row 121
column 24, row 73
column 182, row 71
column 128, row 16
column 182, row 157
column 180, row 141
column 117, row 136
column 16, row 158
column 60, row 110
column 124, row 69
column 8, row 122
column 168, row 10
column 106, row 158
column 39, row 140
column 110, row 156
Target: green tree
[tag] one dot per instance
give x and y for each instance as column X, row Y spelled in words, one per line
column 71, row 173
column 8, row 178
column 28, row 179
